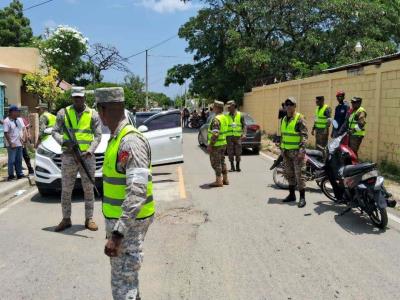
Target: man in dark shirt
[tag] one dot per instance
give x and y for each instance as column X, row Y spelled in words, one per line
column 340, row 112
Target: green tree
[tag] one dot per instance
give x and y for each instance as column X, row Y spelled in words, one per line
column 44, row 86
column 15, row 29
column 63, row 49
column 237, row 44
column 161, row 99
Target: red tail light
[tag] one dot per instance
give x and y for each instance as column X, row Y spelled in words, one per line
column 253, row 127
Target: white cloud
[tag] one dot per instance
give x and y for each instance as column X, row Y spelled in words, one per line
column 166, row 6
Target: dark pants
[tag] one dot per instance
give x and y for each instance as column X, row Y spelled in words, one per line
column 355, row 143
column 14, row 160
column 27, row 159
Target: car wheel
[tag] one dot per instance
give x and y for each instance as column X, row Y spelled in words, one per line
column 200, row 140
column 256, row 150
column 44, row 192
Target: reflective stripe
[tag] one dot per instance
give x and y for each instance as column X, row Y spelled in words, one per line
column 114, row 180
column 234, row 125
column 290, row 138
column 321, row 121
column 80, row 142
column 112, row 201
column 290, row 134
column 221, row 141
column 290, row 143
column 353, row 123
column 82, row 130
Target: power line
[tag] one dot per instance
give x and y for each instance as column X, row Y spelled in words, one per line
column 36, row 5
column 152, row 47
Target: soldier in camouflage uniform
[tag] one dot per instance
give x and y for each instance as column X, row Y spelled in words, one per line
column 217, row 145
column 236, row 132
column 69, row 166
column 46, row 120
column 322, row 123
column 294, row 139
column 128, row 218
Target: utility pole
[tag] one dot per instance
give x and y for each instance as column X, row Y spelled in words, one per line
column 147, row 80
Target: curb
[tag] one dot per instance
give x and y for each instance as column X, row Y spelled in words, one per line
column 10, row 190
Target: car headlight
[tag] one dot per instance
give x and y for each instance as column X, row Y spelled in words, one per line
column 43, row 151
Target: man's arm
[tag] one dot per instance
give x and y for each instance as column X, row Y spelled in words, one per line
column 301, row 127
column 58, row 129
column 96, row 128
column 134, row 160
column 244, row 127
column 361, row 120
column 43, row 122
column 215, row 129
column 328, row 114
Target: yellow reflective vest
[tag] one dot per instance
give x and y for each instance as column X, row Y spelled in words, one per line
column 353, row 122
column 321, row 121
column 51, row 121
column 291, row 139
column 82, row 129
column 234, row 125
column 221, row 141
column 114, row 183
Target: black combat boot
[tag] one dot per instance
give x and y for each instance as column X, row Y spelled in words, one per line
column 232, row 167
column 302, row 201
column 238, row 166
column 292, row 195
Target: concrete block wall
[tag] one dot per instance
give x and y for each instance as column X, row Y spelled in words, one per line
column 378, row 85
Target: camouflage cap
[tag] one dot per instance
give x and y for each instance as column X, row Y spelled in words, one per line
column 78, row 91
column 291, row 99
column 219, row 104
column 109, row 95
column 42, row 105
column 231, row 103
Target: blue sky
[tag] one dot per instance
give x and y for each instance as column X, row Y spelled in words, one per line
column 130, row 25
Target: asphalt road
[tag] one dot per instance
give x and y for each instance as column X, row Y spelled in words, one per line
column 236, row 242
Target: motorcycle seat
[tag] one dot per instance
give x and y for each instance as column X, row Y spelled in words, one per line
column 314, row 153
column 349, row 171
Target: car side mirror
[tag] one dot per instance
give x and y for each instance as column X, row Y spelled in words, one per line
column 48, row 130
column 335, row 124
column 143, row 128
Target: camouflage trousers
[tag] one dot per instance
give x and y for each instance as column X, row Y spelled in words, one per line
column 217, row 159
column 125, row 267
column 295, row 168
column 321, row 138
column 69, row 170
column 355, row 143
column 234, row 147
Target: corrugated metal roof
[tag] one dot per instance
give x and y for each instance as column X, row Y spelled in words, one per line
column 374, row 61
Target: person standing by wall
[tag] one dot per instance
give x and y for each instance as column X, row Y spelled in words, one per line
column 12, row 135
column 322, row 123
column 341, row 111
column 236, row 132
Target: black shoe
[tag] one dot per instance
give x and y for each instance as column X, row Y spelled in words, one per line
column 391, row 203
column 292, row 195
column 232, row 167
column 302, row 201
column 21, row 176
column 238, row 166
column 31, row 172
column 11, row 178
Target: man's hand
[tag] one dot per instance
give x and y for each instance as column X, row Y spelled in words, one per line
column 113, row 246
column 87, row 155
column 13, row 145
column 209, row 148
column 313, row 131
column 68, row 144
column 301, row 155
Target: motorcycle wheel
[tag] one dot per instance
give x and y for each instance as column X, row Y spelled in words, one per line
column 279, row 178
column 327, row 189
column 379, row 217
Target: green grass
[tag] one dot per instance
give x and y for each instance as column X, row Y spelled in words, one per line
column 3, row 151
column 390, row 170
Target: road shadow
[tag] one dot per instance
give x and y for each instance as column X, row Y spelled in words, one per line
column 353, row 222
column 163, row 181
column 161, row 174
column 207, row 186
column 73, row 231
column 56, row 198
column 280, row 202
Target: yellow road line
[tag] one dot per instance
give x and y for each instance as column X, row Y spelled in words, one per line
column 182, row 189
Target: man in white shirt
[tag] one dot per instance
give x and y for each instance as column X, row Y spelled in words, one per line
column 12, row 134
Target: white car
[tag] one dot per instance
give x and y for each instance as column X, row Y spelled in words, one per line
column 163, row 131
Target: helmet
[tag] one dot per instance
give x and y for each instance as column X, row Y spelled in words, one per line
column 340, row 93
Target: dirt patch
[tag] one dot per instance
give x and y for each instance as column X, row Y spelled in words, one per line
column 183, row 215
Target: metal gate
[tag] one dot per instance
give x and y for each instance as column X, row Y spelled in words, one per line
column 2, row 97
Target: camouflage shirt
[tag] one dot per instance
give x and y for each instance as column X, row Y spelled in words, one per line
column 134, row 159
column 215, row 129
column 95, row 125
column 43, row 122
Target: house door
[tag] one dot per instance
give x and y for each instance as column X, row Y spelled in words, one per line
column 1, row 116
